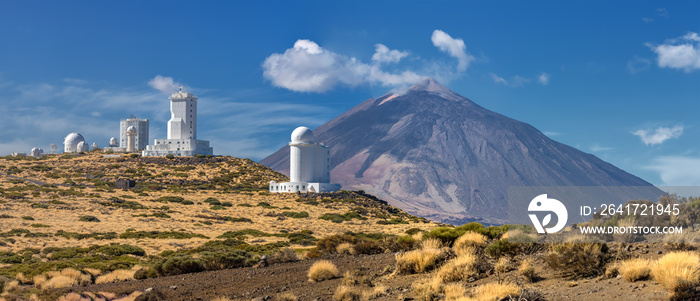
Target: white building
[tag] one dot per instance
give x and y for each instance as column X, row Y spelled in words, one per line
column 36, row 152
column 113, row 142
column 72, row 143
column 141, row 126
column 182, row 130
column 309, row 165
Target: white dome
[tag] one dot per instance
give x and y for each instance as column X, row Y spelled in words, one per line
column 302, row 134
column 73, row 139
column 113, row 141
column 131, row 129
column 82, row 146
column 35, row 149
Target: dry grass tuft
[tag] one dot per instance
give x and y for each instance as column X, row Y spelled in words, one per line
column 93, row 272
column 495, row 291
column 116, row 276
column 59, row 279
column 288, row 296
column 527, row 269
column 378, row 291
column 130, row 297
column 419, row 261
column 432, row 243
column 678, row 272
column 458, row 269
column 468, row 242
column 345, row 248
column 222, row 299
column 454, row 291
column 323, row 270
column 346, row 293
column 635, row 269
column 503, row 265
column 426, row 289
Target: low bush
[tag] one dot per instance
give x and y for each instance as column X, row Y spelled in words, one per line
column 292, row 214
column 497, row 291
column 88, row 218
column 119, row 250
column 458, row 269
column 527, row 269
column 635, row 269
column 577, row 259
column 500, row 248
column 323, row 270
column 679, row 273
column 156, row 234
column 177, row 265
column 419, row 261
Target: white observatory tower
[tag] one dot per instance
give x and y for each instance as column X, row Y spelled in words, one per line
column 182, row 130
column 131, row 139
column 309, row 165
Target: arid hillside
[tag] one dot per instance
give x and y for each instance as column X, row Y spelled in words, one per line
column 206, row 229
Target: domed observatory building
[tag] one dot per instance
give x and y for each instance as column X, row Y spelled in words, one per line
column 72, row 143
column 182, row 130
column 309, row 165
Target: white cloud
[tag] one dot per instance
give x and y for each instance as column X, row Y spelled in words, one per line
column 658, row 136
column 454, row 47
column 599, row 148
column 164, row 84
column 551, row 134
column 638, row 64
column 677, row 170
column 679, row 53
column 647, row 20
column 497, row 79
column 662, row 12
column 515, row 81
column 307, row 67
column 543, row 78
column 383, row 54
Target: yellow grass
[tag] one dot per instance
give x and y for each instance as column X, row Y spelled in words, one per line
column 346, row 293
column 431, row 243
column 222, row 299
column 64, row 278
column 323, row 270
column 344, row 248
column 377, row 291
column 419, row 261
column 678, row 272
column 454, row 291
column 503, row 265
column 288, row 296
column 116, row 276
column 494, row 291
column 635, row 269
column 458, row 269
column 468, row 241
column 527, row 269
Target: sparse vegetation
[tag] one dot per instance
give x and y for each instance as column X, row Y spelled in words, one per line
column 323, row 270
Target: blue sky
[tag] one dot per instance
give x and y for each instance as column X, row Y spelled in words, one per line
column 620, row 80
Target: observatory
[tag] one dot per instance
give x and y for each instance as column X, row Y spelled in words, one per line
column 141, row 137
column 182, row 130
column 309, row 165
column 36, row 152
column 74, row 143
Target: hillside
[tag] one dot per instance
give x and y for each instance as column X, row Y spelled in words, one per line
column 437, row 154
column 206, row 229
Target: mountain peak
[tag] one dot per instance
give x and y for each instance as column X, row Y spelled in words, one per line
column 432, row 86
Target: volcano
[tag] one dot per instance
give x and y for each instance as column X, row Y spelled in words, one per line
column 437, row 154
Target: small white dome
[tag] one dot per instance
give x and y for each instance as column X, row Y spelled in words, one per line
column 73, row 139
column 113, row 141
column 82, row 146
column 35, row 149
column 302, row 134
column 131, row 129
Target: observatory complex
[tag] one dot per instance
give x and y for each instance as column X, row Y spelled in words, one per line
column 182, row 130
column 75, row 143
column 309, row 165
column 141, row 126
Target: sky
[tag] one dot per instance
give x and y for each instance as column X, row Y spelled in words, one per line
column 617, row 79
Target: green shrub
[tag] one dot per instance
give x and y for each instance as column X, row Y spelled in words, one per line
column 578, row 259
column 177, row 265
column 292, row 214
column 366, row 246
column 304, row 238
column 500, row 248
column 118, row 250
column 160, row 235
column 40, row 206
column 169, row 156
column 226, row 260
column 328, row 244
column 393, row 221
column 79, row 236
column 88, row 218
column 413, row 231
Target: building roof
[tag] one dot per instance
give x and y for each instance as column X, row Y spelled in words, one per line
column 302, row 134
column 73, row 139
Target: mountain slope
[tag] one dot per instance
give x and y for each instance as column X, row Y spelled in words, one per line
column 439, row 155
